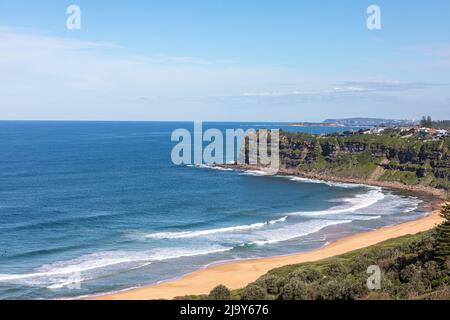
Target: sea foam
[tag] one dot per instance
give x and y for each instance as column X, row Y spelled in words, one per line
column 199, row 233
column 359, row 202
column 91, row 266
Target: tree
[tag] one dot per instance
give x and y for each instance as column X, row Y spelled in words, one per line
column 220, row 293
column 443, row 236
column 426, row 122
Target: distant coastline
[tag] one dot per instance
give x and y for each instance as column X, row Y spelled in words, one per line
column 355, row 122
column 312, row 124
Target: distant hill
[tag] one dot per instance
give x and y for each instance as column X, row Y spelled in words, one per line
column 369, row 122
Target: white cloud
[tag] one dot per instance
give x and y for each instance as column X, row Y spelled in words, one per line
column 47, row 77
column 349, row 87
column 52, row 77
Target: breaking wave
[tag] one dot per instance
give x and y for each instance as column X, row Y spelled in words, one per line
column 200, row 233
column 360, row 201
column 91, row 266
column 329, row 183
column 293, row 231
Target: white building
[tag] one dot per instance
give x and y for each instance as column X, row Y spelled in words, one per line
column 377, row 130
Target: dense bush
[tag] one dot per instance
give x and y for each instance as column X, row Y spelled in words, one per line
column 272, row 284
column 307, row 275
column 295, row 290
column 336, row 269
column 220, row 293
column 254, row 292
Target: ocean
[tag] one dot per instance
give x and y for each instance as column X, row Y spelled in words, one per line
column 97, row 207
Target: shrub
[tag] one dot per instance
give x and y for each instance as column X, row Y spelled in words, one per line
column 271, row 283
column 336, row 269
column 307, row 275
column 354, row 288
column 410, row 273
column 220, row 293
column 349, row 288
column 411, row 290
column 294, row 290
column 360, row 265
column 253, row 292
column 330, row 290
column 432, row 274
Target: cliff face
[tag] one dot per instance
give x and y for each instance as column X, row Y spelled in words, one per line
column 387, row 157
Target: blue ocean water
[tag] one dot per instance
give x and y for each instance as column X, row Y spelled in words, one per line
column 101, row 203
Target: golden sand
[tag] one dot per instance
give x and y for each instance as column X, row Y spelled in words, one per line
column 236, row 275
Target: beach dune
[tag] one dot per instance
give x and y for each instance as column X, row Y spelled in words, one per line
column 236, row 275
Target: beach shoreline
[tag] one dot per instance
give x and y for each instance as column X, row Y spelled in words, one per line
column 238, row 274
column 439, row 194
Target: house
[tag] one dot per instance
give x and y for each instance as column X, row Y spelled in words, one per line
column 441, row 133
column 377, row 131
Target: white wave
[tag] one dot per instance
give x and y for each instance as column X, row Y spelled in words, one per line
column 395, row 204
column 356, row 203
column 61, row 274
column 256, row 173
column 362, row 217
column 220, row 168
column 293, row 231
column 200, row 233
column 211, row 167
column 259, row 173
column 329, row 183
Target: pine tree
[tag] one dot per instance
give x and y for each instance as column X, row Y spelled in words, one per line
column 443, row 236
column 426, row 122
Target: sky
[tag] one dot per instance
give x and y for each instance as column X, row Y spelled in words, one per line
column 224, row 60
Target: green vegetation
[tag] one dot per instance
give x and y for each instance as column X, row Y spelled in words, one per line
column 220, row 293
column 426, row 122
column 408, row 272
column 442, row 124
column 443, row 237
column 400, row 176
column 391, row 156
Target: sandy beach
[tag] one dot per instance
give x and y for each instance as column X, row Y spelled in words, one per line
column 238, row 274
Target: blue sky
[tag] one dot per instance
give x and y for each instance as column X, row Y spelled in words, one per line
column 230, row 60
